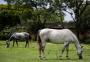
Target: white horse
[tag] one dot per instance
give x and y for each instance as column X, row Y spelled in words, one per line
column 19, row 36
column 58, row 36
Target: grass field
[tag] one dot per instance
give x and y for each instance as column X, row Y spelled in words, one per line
column 21, row 54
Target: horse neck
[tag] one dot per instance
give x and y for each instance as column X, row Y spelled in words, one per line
column 78, row 47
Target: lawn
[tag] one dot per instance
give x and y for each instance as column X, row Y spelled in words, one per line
column 30, row 54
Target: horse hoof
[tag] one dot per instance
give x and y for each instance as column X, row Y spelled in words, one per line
column 80, row 58
column 68, row 58
column 42, row 58
column 60, row 56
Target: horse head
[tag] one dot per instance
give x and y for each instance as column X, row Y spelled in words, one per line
column 80, row 53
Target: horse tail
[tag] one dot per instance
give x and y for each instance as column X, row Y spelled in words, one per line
column 39, row 43
column 38, row 37
column 30, row 37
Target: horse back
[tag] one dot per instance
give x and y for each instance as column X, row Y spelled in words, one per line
column 57, row 35
column 20, row 35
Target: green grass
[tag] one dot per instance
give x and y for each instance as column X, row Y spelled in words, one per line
column 21, row 54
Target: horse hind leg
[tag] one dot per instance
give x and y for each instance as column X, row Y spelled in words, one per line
column 40, row 46
column 41, row 50
column 13, row 43
column 27, row 43
column 41, row 43
column 42, row 53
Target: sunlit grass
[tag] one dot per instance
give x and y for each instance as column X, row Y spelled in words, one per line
column 52, row 51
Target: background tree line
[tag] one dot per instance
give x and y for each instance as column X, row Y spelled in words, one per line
column 25, row 13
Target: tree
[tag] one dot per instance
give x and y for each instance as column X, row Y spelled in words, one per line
column 79, row 9
column 85, row 24
column 9, row 3
column 8, row 20
column 43, row 15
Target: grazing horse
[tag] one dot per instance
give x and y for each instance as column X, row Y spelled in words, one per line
column 19, row 36
column 58, row 36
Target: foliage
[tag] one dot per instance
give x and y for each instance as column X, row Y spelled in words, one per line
column 37, row 18
column 40, row 18
column 85, row 24
column 8, row 19
column 3, row 7
column 79, row 9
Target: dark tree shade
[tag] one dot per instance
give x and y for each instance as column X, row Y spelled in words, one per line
column 8, row 20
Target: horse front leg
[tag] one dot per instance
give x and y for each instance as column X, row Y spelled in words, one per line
column 67, row 51
column 13, row 43
column 66, row 44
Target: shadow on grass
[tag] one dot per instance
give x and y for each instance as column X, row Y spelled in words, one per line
column 60, row 59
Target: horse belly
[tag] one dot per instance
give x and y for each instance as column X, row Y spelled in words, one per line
column 56, row 39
